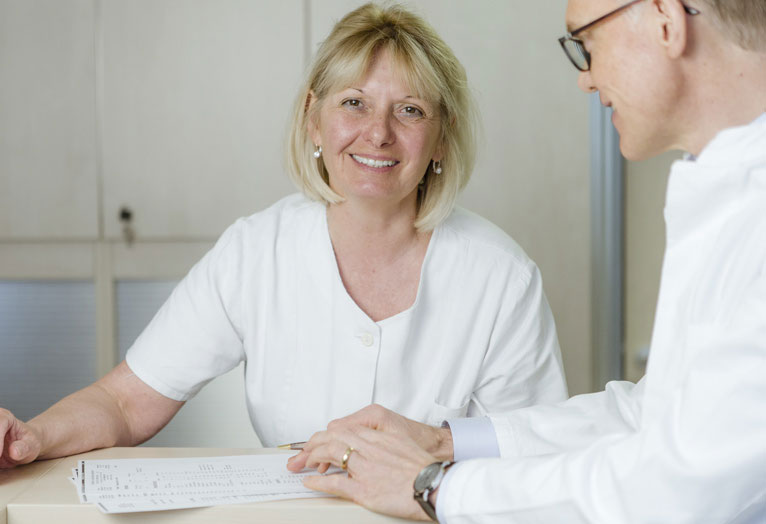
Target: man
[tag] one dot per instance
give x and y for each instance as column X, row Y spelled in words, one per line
column 688, row 442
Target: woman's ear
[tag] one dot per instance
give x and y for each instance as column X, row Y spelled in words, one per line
column 671, row 26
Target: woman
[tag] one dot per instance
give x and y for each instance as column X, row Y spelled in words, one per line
column 367, row 287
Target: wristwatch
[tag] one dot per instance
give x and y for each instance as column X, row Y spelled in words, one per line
column 426, row 482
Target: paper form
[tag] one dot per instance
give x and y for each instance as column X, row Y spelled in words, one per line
column 131, row 485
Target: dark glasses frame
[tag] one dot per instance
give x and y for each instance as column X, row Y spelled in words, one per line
column 574, row 48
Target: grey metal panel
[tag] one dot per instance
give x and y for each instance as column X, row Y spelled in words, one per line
column 137, row 302
column 47, row 343
column 606, row 245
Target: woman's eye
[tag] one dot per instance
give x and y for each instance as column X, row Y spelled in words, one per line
column 353, row 103
column 412, row 111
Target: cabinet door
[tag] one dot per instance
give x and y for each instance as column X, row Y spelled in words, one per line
column 48, row 156
column 532, row 174
column 196, row 96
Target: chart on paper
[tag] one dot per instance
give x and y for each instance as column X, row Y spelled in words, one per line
column 131, row 485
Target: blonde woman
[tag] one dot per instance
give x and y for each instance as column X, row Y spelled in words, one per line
column 368, row 286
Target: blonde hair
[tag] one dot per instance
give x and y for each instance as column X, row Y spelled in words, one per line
column 429, row 67
column 742, row 21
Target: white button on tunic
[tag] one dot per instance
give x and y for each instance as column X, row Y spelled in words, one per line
column 367, row 339
column 478, row 338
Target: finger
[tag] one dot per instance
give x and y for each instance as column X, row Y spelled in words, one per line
column 330, row 453
column 340, row 485
column 297, row 462
column 370, row 416
column 20, row 452
column 6, row 422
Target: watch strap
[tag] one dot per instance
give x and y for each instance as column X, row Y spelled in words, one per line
column 422, row 496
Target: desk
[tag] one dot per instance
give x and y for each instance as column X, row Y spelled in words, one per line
column 41, row 493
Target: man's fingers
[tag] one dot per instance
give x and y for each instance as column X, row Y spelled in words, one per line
column 297, row 462
column 338, row 484
column 372, row 416
column 331, row 453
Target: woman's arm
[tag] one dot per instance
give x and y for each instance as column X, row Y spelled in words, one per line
column 117, row 410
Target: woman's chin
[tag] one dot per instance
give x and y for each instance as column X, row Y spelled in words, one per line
column 378, row 196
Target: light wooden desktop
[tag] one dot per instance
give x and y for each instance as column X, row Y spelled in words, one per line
column 41, row 493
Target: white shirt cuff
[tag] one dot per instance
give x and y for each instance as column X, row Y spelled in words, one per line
column 473, row 438
column 442, row 491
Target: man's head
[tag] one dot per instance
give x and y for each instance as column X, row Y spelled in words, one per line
column 674, row 72
column 741, row 21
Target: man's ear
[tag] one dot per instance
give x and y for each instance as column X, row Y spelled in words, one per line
column 671, row 26
column 312, row 120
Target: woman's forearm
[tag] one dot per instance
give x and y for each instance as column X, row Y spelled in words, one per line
column 87, row 419
column 117, row 410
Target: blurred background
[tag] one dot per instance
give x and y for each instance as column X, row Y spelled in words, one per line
column 132, row 132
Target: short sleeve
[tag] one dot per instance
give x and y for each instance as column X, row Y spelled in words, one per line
column 195, row 336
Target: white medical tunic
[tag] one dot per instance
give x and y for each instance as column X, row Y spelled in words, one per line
column 478, row 339
column 687, row 444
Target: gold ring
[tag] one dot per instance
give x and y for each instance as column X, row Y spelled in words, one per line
column 346, row 455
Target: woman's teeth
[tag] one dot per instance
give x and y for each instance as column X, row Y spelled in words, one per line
column 373, row 163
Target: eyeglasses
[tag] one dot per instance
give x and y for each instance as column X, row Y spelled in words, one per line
column 575, row 48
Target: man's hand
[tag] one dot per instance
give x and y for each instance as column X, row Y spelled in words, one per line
column 19, row 442
column 381, row 469
column 435, row 441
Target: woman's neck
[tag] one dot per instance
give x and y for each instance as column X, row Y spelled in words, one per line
column 383, row 233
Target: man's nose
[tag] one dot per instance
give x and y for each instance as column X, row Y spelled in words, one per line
column 585, row 82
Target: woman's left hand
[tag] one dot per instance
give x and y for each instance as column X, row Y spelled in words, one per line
column 381, row 469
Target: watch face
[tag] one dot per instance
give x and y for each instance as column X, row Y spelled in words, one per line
column 426, row 477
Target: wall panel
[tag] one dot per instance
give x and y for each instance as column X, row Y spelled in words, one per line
column 48, row 151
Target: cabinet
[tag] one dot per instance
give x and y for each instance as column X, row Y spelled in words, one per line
column 48, row 135
column 196, row 97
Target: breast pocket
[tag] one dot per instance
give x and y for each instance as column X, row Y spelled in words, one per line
column 439, row 413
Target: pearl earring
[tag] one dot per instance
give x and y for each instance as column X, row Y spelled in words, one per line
column 437, row 167
column 318, row 152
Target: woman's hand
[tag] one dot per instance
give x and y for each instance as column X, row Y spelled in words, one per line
column 20, row 443
column 381, row 469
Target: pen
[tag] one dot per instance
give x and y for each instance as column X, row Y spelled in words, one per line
column 294, row 445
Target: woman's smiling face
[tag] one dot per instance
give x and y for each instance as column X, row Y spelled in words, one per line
column 378, row 138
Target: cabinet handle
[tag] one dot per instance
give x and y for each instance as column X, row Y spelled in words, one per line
column 126, row 219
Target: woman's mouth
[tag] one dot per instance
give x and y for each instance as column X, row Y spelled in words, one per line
column 371, row 162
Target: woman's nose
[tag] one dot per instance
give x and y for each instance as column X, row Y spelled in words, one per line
column 380, row 130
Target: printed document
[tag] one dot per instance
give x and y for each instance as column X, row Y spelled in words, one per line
column 131, row 485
